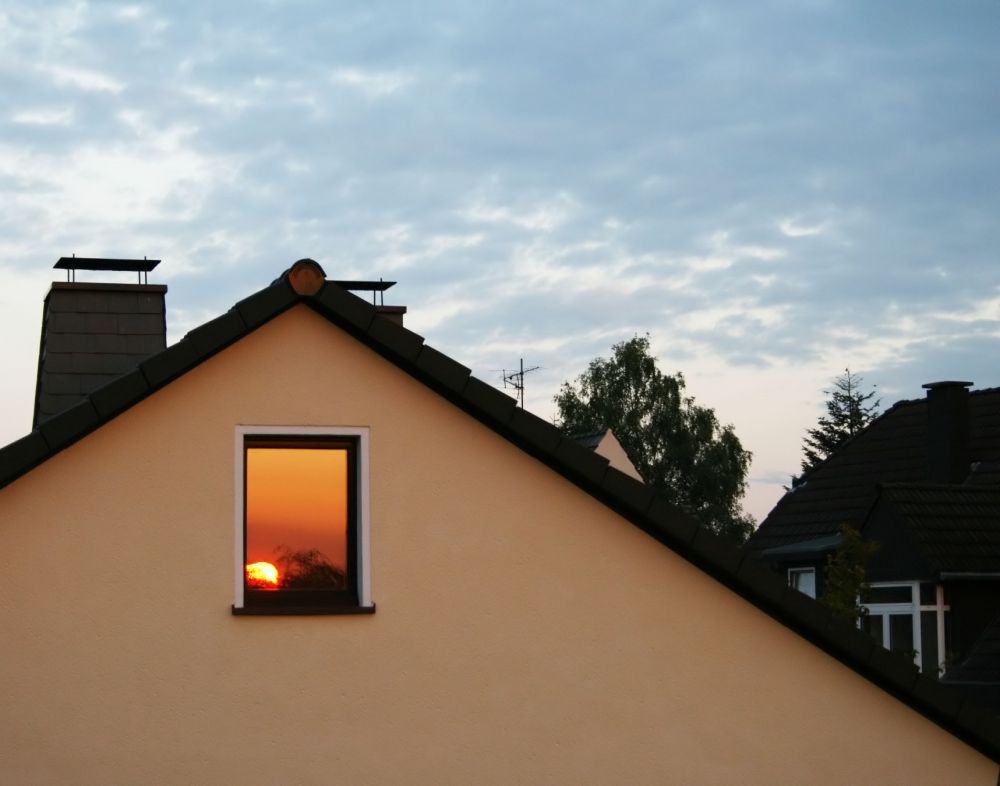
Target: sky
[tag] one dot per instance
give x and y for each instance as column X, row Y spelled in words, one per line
column 772, row 191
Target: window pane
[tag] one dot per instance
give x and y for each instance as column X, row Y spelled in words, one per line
column 887, row 595
column 296, row 518
column 804, row 581
column 928, row 643
column 901, row 633
column 873, row 624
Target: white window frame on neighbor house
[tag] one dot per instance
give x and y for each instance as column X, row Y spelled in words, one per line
column 887, row 610
column 794, row 572
column 914, row 608
column 363, row 538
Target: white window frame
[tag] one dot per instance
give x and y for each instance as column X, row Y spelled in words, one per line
column 885, row 610
column 361, row 434
column 788, row 579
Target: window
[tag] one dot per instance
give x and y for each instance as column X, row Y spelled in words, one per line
column 893, row 618
column 803, row 579
column 302, row 521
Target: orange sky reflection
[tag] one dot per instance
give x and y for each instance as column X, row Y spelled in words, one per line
column 296, row 498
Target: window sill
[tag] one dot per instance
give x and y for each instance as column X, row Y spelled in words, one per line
column 285, row 611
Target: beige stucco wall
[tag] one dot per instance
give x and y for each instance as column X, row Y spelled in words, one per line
column 524, row 633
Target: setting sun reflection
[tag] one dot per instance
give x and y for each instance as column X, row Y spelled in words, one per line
column 262, row 575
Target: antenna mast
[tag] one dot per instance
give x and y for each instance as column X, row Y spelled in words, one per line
column 515, row 379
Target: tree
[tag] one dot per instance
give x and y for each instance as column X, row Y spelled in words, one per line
column 847, row 412
column 678, row 447
column 846, row 575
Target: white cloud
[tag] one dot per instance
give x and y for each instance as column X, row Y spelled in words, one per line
column 44, row 117
column 543, row 217
column 371, row 84
column 84, row 79
column 789, row 228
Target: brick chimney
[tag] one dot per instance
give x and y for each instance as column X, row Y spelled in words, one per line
column 93, row 333
column 948, row 458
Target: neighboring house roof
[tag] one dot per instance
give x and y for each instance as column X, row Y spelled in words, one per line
column 956, row 529
column 605, row 443
column 983, row 663
column 631, row 499
column 591, row 440
column 979, row 673
column 892, row 449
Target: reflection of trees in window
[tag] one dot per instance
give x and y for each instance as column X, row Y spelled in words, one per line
column 308, row 569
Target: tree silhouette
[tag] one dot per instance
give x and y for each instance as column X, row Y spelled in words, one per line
column 308, row 569
column 847, row 412
column 678, row 447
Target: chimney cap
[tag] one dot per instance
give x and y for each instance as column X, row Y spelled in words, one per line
column 948, row 383
column 97, row 263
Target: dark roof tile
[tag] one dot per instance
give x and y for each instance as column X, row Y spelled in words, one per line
column 720, row 556
column 67, row 427
column 585, row 463
column 765, row 582
column 21, row 455
column 894, row 669
column 941, row 696
column 677, row 526
column 222, row 331
column 266, row 304
column 442, row 369
column 343, row 307
column 487, row 398
column 404, row 344
column 170, row 363
column 536, row 432
column 116, row 396
column 635, row 495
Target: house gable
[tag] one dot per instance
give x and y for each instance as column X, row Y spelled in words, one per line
column 509, row 639
column 445, row 383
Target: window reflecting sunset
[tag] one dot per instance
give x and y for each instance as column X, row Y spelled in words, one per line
column 296, row 517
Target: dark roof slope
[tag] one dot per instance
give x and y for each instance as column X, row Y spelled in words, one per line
column 979, row 673
column 590, row 441
column 955, row 528
column 633, row 500
column 893, row 449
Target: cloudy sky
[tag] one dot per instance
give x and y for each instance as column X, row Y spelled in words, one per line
column 772, row 190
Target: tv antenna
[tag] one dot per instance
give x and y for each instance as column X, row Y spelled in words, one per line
column 515, row 379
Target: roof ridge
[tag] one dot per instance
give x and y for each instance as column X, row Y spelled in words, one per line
column 638, row 503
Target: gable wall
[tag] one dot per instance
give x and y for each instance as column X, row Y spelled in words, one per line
column 524, row 632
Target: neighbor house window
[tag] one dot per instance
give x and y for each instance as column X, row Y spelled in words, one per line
column 302, row 521
column 803, row 579
column 893, row 617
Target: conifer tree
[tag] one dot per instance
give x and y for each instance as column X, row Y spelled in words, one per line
column 848, row 410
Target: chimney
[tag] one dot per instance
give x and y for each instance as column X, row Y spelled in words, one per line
column 948, row 458
column 377, row 288
column 93, row 333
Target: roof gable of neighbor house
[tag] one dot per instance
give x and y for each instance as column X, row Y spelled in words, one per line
column 605, row 443
column 892, row 449
column 630, row 499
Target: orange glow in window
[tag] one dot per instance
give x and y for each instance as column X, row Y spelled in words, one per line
column 262, row 575
column 296, row 517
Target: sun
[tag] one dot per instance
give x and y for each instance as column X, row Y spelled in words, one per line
column 262, row 575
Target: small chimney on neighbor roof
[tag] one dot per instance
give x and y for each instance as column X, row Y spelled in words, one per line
column 93, row 333
column 948, row 457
